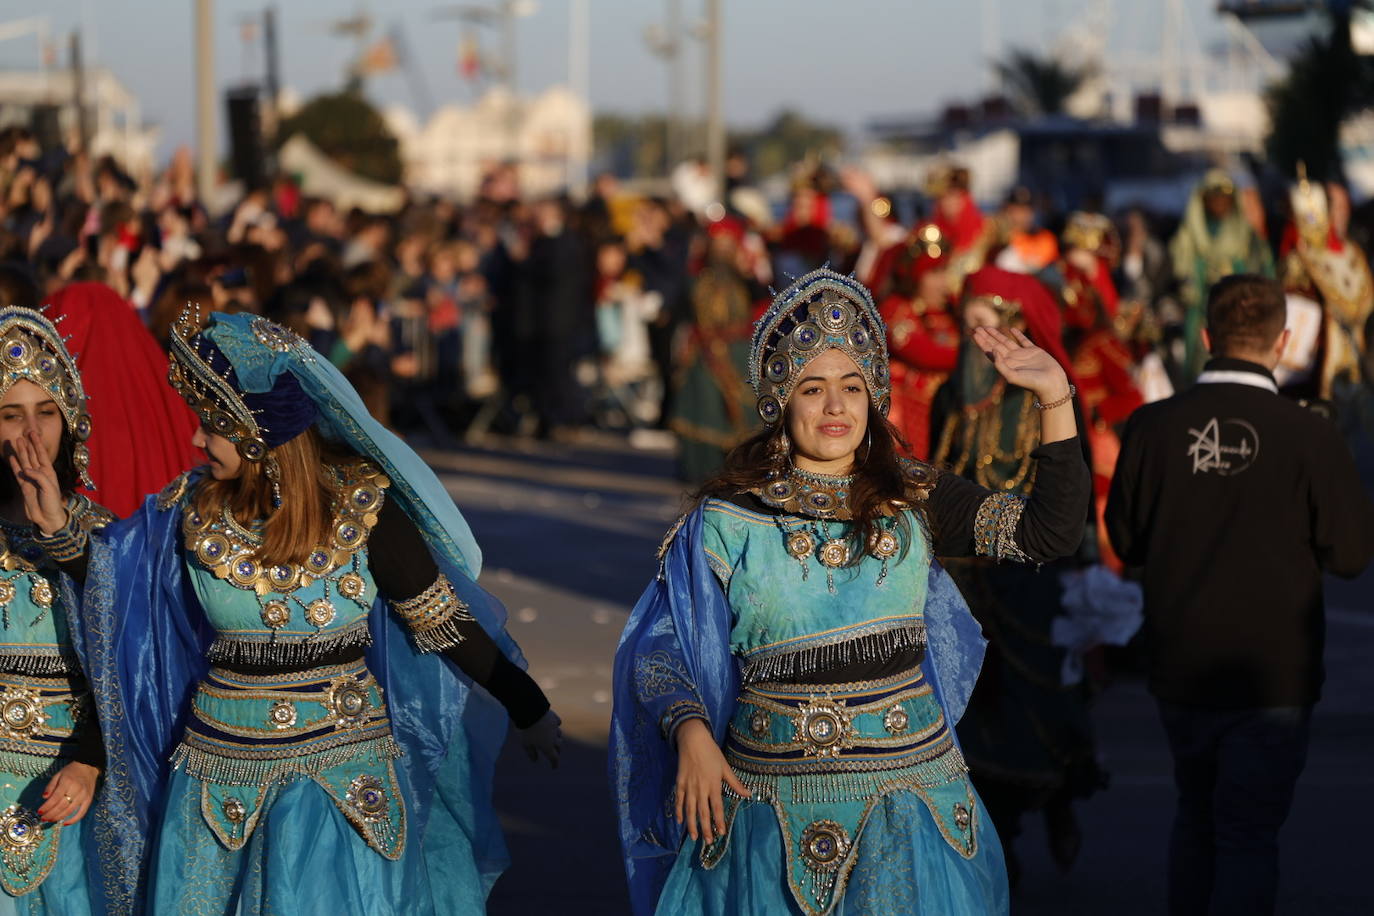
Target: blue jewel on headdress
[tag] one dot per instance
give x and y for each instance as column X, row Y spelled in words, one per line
column 17, row 351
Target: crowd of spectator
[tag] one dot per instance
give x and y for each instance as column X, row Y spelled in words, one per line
column 533, row 317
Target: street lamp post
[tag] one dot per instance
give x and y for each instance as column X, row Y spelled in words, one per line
column 206, row 141
column 715, row 124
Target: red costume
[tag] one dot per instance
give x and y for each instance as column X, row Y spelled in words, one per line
column 922, row 336
column 141, row 429
column 1102, row 364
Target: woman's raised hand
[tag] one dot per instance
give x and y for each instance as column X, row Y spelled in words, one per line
column 43, row 502
column 1023, row 363
column 701, row 769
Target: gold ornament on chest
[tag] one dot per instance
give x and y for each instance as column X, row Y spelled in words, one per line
column 800, row 544
column 834, row 553
column 228, row 549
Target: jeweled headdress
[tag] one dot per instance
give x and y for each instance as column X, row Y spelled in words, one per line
column 32, row 350
column 254, row 421
column 822, row 311
column 1311, row 214
column 1091, row 232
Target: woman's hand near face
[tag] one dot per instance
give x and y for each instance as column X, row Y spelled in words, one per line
column 701, row 769
column 69, row 794
column 43, row 502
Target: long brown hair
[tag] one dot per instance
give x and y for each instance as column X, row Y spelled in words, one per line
column 302, row 521
column 881, row 483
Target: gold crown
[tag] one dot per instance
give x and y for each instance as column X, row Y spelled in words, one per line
column 32, row 350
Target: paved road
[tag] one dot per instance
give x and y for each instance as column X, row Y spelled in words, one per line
column 569, row 536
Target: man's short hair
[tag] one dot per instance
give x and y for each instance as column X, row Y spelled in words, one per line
column 1245, row 314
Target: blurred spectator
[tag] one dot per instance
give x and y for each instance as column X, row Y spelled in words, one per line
column 1214, row 240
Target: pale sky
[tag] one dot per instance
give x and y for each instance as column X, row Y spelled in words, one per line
column 840, row 61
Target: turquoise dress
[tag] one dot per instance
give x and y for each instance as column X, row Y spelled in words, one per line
column 833, row 686
column 857, row 788
column 47, row 720
column 288, row 776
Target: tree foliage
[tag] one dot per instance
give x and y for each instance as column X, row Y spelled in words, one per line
column 1326, row 82
column 633, row 146
column 347, row 129
column 786, row 140
column 1040, row 85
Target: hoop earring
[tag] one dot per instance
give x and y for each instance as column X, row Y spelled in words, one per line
column 868, row 447
column 782, row 448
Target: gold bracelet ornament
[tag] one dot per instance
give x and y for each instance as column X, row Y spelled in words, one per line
column 1073, row 390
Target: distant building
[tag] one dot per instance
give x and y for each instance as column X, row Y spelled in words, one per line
column 548, row 136
column 44, row 101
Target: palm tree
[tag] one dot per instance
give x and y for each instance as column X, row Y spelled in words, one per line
column 1040, row 85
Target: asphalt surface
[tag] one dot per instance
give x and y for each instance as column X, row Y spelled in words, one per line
column 569, row 534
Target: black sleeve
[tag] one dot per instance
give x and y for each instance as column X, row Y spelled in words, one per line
column 1342, row 512
column 90, row 744
column 76, row 568
column 403, row 569
column 1047, row 525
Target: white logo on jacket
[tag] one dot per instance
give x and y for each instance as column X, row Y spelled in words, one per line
column 1228, row 456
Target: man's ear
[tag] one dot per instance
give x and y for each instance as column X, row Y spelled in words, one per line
column 1207, row 341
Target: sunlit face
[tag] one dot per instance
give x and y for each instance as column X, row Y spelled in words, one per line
column 26, row 406
column 827, row 414
column 225, row 461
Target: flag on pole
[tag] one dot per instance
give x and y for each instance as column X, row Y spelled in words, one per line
column 469, row 57
column 380, row 57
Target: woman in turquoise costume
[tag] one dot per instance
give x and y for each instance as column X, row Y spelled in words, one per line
column 284, row 646
column 787, row 688
column 50, row 748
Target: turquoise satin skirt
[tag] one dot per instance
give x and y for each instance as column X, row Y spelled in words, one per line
column 64, row 892
column 304, row 858
column 904, row 867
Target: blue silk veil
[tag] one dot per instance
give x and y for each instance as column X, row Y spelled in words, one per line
column 142, row 635
column 676, row 648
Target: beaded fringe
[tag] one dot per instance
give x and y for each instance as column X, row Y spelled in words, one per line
column 837, row 788
column 444, row 636
column 786, row 666
column 293, row 652
column 254, row 770
column 39, row 662
column 31, row 766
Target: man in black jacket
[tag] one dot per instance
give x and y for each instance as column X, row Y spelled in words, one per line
column 1235, row 500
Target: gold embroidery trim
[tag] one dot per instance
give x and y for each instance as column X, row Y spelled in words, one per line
column 433, row 616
